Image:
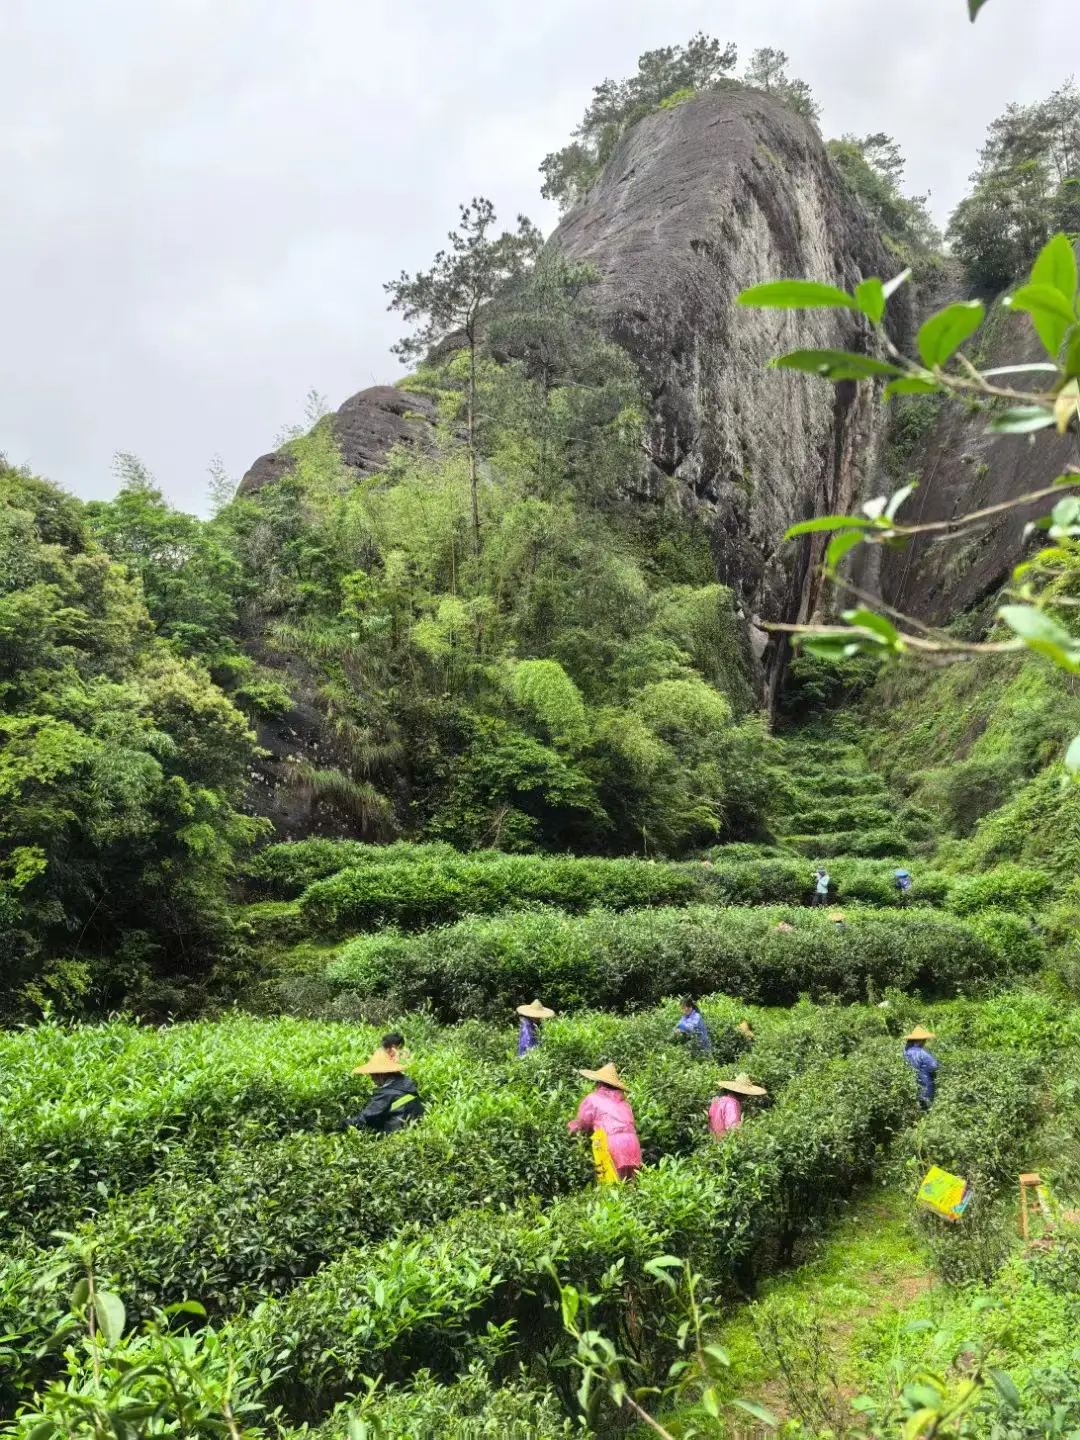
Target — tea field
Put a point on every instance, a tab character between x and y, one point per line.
192	1243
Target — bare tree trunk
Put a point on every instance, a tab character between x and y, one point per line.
473	487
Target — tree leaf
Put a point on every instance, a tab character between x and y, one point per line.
1072	352
826	522
910	385
974	6
891	286
80	1294
796	295
1021	420
1041	633
1056	266
897	498
836	364
942	335
1051	314
870	298
759	1412
1005	1387
111	1316
1042	365
1072	756
869	620
839	546
1067	405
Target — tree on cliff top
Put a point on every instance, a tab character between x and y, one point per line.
700	64
666	76
872	168
453	296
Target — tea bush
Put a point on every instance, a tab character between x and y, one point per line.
88	1111
283	872
786	880
1006	887
428	1300
414	894
480	966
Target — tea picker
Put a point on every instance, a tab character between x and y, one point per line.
922	1062
532	1016
605	1114
725	1112
396	1101
692	1028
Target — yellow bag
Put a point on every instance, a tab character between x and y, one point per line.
606	1174
944	1194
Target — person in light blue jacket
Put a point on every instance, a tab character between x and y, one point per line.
692	1027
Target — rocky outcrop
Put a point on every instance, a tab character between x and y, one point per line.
960	468
367	427
699	201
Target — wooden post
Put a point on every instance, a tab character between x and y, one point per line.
1027	1182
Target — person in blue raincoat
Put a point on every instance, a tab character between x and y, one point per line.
692	1026
922	1062
902	881
529	1032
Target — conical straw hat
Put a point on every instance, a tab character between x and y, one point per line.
919	1033
745	1027
836	915
381	1063
535	1011
608	1075
742	1085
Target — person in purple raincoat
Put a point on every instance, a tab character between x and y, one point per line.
532	1016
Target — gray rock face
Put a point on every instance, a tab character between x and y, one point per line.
699	201
367	426
961	468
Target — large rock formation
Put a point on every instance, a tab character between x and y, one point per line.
367	426
961	467
699	201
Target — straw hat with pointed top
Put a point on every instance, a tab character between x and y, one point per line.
919	1033
381	1063
742	1085
745	1027
535	1011
606	1075
836	915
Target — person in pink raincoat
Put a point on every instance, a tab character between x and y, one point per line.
607	1108
725	1112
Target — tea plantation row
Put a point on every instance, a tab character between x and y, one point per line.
483	966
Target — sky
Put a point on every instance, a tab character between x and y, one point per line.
201	199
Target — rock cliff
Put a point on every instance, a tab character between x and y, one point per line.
699	201
367	426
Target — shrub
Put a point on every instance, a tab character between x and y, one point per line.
284	871
415	894
869	844
482	966
90	1111
734	1210
1008	886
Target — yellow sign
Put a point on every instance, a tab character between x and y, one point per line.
944	1194
606	1174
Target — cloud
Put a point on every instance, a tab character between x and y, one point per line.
203	197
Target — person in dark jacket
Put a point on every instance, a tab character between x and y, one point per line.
396	1101
922	1062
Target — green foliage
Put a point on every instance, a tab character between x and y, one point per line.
700	64
1026	188
478	966
416	893
734	1210
120	768
872	169
1008	886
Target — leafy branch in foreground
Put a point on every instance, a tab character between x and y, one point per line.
1039	585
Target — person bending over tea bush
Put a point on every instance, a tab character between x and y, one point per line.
396	1101
692	1029
922	1062
606	1111
725	1112
532	1017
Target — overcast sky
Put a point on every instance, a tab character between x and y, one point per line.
201	199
